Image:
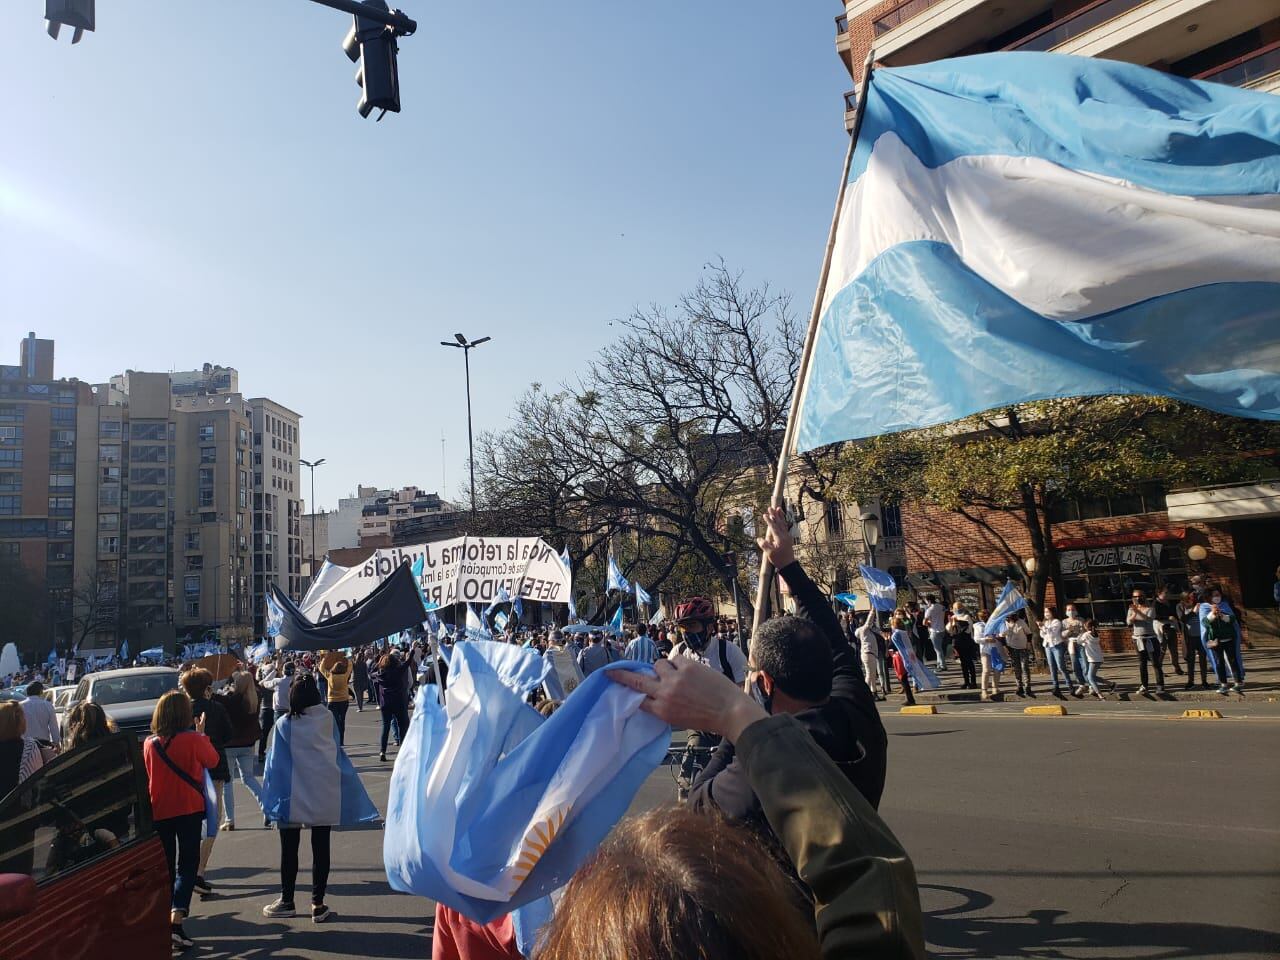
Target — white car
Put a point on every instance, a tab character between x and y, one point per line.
127	696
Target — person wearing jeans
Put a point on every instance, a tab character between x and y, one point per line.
1017	642
338	675
240	700
935	618
1141	619
1055	650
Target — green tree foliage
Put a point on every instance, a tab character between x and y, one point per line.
1024	461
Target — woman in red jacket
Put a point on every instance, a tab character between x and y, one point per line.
176	757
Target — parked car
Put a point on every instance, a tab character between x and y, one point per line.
61	697
128	696
81	869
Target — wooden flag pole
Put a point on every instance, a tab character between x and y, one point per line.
789	435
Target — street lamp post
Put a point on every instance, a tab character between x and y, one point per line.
311	465
465	345
870	522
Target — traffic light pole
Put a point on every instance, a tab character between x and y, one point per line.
395	19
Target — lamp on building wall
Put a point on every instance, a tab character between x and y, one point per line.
870	533
1197	553
1031	565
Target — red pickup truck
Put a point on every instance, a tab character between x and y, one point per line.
82	873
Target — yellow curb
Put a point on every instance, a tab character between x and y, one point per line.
926	710
1056	710
1201	715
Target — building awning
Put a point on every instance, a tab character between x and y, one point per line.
1225	503
934	579
1122	539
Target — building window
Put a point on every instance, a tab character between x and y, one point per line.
108	521
239	457
62	480
62	438
109	545
109	428
10	482
208	454
1100	580
141	430
109	475
11	506
109	496
208	518
10	434
62	460
242	436
244	499
12	412
834	515
206	476
64	415
10	457
149	476
109	453
891	520
62	506
192	609
206	432
191	585
146	498
195	563
1149	498
206	498
193	540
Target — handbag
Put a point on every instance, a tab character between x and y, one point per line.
207	791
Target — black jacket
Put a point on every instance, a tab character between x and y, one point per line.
217	727
847	727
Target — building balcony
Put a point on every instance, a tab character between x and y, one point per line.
1145	31
1259	70
842	38
916	31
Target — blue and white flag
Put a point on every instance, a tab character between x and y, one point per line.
882	589
517	609
922	676
419	566
491	806
500	620
615	580
1023	226
642	596
848	599
308	778
476	630
1010	601
53	656
565	559
274	618
502	597
573	610
124	650
659	616
259	652
615	625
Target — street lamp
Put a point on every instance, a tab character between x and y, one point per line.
870	532
311	465
465	346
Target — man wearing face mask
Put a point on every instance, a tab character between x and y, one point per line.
802	665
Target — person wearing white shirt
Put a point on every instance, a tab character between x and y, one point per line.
985	647
42	718
869	650
1091	647
935	617
1017	640
1055	650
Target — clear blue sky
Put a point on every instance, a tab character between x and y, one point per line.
192	183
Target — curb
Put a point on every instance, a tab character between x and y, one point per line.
919	711
1056	710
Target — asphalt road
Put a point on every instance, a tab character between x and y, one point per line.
1077	837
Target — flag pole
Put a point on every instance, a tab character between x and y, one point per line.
811	334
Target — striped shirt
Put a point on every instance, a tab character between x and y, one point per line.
642	649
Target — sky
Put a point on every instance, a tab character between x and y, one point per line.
192	183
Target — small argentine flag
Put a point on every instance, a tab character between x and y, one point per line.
492	806
1011	601
882	589
616	581
476	630
642	596
275	617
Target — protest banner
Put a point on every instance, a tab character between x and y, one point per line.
459	570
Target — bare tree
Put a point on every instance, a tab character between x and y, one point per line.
95	608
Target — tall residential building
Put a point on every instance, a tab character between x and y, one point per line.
38	444
166	485
277	506
1235	42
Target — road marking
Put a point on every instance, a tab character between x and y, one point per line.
1219	826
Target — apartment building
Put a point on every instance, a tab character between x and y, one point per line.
38	444
277	503
1236	42
162	495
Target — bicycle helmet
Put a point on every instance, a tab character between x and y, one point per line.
695	608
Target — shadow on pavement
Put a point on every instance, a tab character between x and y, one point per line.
1048	935
240	939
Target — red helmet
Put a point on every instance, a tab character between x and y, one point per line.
695	608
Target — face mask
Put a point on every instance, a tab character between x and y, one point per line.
759	696
1071	614
695	641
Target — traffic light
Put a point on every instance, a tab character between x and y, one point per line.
72	13
373	46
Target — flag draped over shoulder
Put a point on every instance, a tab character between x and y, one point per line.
1023	226
492	806
308	778
882	589
924	678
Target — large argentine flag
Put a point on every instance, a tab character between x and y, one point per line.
1021	226
491	806
882	589
308	779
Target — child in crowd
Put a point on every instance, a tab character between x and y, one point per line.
1092	647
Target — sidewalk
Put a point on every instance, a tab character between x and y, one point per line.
1262	681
